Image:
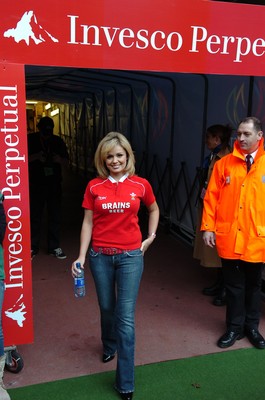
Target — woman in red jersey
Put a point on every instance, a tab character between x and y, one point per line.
111	231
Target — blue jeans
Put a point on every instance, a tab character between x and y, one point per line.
117	280
2	290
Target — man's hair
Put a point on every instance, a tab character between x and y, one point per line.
45	121
223	132
111	140
256	123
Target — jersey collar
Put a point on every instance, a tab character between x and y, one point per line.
122	179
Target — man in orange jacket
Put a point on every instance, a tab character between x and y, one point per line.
234	220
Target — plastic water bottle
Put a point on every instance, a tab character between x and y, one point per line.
79	282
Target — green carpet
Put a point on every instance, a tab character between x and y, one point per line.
230	375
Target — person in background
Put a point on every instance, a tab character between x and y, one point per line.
47	155
3	393
218	142
110	227
234	220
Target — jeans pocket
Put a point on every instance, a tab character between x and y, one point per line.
134	253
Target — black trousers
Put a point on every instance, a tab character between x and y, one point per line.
243	282
49	196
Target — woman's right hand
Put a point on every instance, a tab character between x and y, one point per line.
74	269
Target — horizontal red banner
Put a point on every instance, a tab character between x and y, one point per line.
196	36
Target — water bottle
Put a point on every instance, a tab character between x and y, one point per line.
79	282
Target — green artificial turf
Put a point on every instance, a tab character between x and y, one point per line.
230	375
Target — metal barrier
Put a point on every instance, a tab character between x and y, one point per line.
176	194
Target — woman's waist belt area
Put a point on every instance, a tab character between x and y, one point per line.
109	251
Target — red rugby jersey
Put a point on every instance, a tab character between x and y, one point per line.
115	206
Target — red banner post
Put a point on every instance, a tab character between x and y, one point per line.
17	308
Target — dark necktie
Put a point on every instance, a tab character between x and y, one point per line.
249	161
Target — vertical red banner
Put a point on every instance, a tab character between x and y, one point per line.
17	308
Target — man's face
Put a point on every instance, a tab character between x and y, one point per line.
212	141
47	130
248	138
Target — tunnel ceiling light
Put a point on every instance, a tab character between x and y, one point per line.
31	102
48	106
54	112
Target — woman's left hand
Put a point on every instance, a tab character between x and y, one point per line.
146	243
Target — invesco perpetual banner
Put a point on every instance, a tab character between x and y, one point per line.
17	308
198	36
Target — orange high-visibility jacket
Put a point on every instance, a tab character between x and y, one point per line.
234	206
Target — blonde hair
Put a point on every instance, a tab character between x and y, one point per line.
106	144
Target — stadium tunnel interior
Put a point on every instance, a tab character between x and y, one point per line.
164	115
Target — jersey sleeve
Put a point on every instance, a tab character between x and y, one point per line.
149	197
88	200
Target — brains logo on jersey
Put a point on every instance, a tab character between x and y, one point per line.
28	29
